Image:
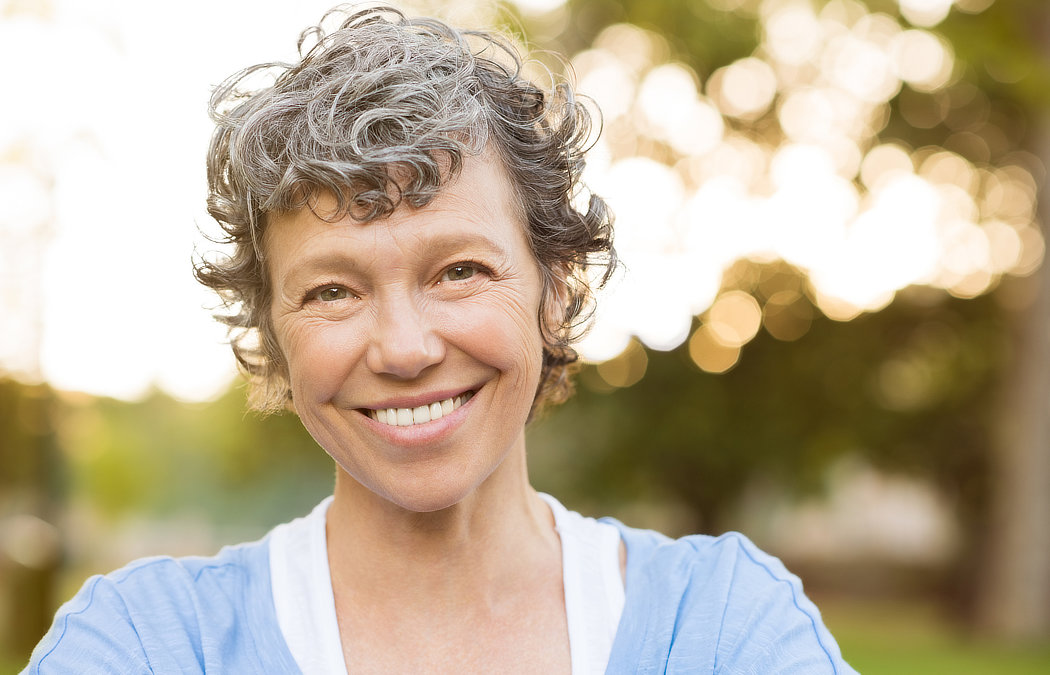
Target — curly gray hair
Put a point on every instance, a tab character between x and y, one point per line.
385	93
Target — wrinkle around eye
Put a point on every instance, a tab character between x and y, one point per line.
330	301
330	294
453	271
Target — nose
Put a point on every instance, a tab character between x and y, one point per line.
404	343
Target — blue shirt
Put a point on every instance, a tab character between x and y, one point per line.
693	605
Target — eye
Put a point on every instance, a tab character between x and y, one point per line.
458	273
330	294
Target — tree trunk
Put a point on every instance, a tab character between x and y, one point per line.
1014	595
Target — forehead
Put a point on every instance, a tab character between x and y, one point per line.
478	204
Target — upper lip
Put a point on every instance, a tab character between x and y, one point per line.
418	400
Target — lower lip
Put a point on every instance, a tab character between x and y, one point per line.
422	434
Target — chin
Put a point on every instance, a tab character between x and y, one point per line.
423	494
428	501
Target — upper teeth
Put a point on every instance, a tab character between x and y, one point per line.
406	417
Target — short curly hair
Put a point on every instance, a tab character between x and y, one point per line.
382	93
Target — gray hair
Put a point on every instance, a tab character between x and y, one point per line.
382	111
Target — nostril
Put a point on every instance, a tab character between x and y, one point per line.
404	353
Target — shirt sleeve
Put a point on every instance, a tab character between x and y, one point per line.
718	605
93	632
171	615
157	615
769	625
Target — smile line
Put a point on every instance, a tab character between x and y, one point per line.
406	417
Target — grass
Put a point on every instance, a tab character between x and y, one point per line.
905	638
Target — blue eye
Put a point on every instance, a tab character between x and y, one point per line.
459	273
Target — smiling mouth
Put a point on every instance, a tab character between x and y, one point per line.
406	417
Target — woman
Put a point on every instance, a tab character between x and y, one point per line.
408	271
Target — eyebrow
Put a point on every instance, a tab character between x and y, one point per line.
445	244
436	246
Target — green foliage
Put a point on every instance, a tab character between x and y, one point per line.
29	469
914	387
910	388
162	456
704	37
1006	50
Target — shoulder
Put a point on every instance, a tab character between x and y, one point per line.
718	603
730	558
165	614
164	581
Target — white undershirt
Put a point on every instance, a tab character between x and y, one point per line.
302	593
594	595
305	605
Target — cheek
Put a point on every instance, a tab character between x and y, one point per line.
319	356
503	334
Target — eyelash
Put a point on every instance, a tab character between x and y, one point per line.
473	264
313	293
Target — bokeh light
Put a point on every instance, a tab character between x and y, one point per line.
925	12
744	88
696	184
777	155
921	59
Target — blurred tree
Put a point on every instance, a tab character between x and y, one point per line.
160	456
955	390
787	411
1008	49
31	479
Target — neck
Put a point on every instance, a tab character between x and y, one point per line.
476	548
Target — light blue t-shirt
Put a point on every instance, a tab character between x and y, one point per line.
693	605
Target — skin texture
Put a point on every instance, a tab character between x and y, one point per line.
443	558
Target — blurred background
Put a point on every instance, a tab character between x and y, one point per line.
832	331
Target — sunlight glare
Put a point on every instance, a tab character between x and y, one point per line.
1034	248
810	208
646	196
605	79
745	88
883	163
627	368
734	319
860	67
669	101
539	6
723	220
696	129
710	355
925	13
922	59
817	114
25	198
736	157
793	34
966	248
951	169
695	185
636	48
1004	245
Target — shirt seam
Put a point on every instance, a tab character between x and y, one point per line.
739	540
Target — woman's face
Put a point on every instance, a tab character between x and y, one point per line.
429	314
